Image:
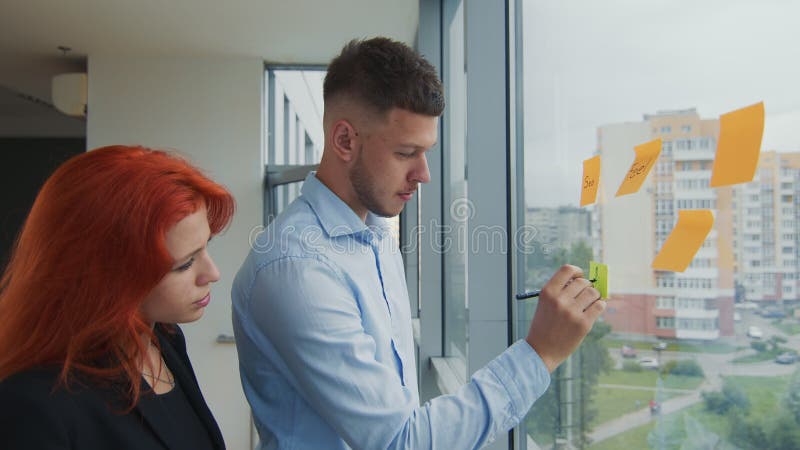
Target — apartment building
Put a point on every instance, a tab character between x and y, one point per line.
695	304
766	230
561	226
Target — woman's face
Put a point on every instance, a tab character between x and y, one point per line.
185	291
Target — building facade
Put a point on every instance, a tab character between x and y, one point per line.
694	304
766	230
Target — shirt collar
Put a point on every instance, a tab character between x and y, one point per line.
335	216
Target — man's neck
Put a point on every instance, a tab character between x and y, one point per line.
342	188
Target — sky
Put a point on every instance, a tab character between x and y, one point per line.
589	63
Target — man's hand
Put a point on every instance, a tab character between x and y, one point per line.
568	306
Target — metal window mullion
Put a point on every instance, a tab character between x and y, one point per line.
429	43
489	155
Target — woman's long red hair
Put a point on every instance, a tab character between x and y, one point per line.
91	249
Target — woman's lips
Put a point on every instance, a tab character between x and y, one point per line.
203	302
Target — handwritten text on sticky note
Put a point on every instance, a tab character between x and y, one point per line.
646	156
590	180
599	273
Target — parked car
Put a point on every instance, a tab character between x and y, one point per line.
773	314
786	358
628	352
660	346
755	332
649	363
737	317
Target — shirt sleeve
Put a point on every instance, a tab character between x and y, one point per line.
306	309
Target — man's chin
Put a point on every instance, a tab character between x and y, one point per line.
388	214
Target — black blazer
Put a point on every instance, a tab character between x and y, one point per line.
33	416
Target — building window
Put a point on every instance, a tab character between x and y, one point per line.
666	148
665	302
665	322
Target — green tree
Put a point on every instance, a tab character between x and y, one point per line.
547	418
593	359
746	431
775	343
578	255
686	367
731	398
792	399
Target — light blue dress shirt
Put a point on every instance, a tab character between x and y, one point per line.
323	329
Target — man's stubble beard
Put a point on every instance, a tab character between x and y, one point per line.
365	187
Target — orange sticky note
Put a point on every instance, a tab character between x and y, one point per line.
590	180
739	145
646	156
685	240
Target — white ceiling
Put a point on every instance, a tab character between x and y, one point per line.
287	31
277	31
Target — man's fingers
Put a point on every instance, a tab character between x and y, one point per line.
595	309
577	287
562	277
586	297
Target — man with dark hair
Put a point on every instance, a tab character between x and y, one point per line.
320	307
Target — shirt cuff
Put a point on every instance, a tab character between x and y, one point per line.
523	373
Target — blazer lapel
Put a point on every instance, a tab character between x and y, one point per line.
156	416
184	375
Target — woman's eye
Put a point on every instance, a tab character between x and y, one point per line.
185	267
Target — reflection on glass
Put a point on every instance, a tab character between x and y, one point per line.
457	208
703	358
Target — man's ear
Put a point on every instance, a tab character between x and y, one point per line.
344	138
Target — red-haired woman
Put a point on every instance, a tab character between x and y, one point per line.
112	255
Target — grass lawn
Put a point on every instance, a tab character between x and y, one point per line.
669	431
612	402
760	356
633	439
789	328
648	378
764	393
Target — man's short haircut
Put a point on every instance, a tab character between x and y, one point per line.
383	74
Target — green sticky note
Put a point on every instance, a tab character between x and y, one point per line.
599	273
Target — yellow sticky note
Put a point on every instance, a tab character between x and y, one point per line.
646	156
590	180
739	145
599	273
685	240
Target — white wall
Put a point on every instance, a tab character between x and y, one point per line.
209	109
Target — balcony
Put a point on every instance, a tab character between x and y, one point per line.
695	154
696	313
705	335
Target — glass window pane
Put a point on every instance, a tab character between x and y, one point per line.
456	200
600	78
